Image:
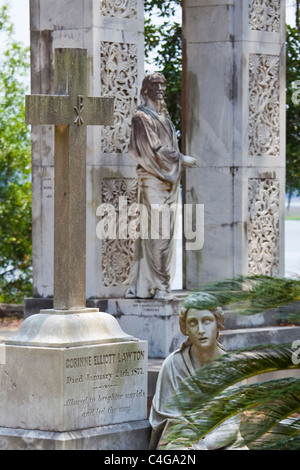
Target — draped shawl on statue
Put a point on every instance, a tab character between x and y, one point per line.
176	368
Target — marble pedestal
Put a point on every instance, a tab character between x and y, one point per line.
156	321
73	380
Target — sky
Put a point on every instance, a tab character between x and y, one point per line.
19	13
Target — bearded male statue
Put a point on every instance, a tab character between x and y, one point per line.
154	147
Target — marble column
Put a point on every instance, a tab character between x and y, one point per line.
112	33
234	124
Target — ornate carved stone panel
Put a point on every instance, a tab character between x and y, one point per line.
119	8
119	79
117	255
263	228
264	15
264	106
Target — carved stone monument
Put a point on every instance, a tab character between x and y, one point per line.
233	59
234	123
73	373
112	33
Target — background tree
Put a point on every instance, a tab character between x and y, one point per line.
15	167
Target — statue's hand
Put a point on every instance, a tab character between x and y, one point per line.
189	161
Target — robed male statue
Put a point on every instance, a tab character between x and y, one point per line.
154	147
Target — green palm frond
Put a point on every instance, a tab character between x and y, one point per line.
284	436
264	433
217	392
248	295
231	369
264	399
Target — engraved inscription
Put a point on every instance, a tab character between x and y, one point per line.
48	187
97	385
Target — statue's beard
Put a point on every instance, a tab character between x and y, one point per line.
162	107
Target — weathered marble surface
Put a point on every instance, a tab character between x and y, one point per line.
234	123
154	147
67	376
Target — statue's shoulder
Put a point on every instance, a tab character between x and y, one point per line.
144	114
172	360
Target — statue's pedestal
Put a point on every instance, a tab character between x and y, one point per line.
73	380
153	320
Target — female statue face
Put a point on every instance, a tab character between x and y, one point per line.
201	327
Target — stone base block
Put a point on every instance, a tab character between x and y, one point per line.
249	337
156	321
127	436
34	305
65	372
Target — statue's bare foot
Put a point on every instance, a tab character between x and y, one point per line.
163	295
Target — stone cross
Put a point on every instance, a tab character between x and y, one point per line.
71	111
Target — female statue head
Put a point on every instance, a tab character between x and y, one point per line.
202	319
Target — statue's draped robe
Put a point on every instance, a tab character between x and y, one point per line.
176	368
153	146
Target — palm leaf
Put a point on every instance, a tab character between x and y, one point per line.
228	370
248	295
282	436
264	398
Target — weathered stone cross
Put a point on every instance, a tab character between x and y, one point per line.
71	111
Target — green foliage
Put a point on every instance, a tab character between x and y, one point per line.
293	111
165	42
249	295
268	411
15	169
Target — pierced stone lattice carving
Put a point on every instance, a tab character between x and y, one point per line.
119	8
264	15
119	80
263	230
264	114
117	255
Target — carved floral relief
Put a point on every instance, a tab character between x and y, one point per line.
264	109
119	8
264	15
263	228
119	80
117	255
